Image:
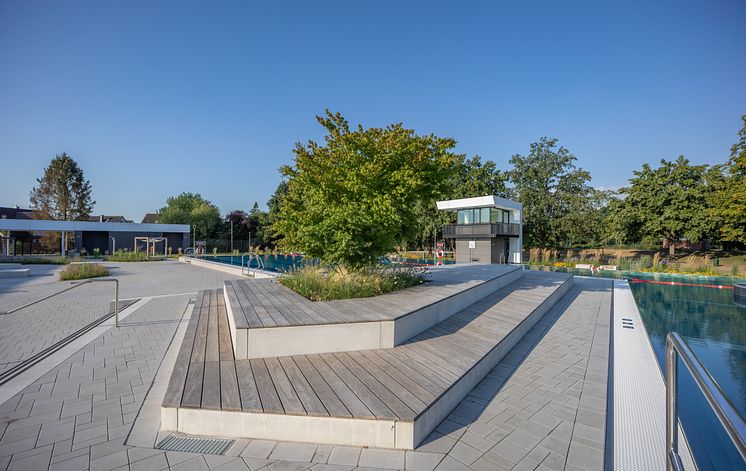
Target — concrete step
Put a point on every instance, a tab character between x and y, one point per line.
15	272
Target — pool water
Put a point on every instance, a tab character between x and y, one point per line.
714	327
278	262
282	262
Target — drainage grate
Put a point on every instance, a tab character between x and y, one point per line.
210	446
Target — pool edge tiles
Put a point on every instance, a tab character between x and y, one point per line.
639	404
226	268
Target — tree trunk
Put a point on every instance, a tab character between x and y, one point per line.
671	248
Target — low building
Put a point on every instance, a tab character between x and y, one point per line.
22	233
488	229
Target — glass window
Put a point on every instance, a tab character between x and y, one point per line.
495	215
485	215
461	216
506	216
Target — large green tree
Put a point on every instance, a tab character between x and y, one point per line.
192	209
63	193
355	198
556	196
671	202
266	235
729	195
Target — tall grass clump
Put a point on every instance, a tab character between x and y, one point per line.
82	271
697	264
735	269
546	257
534	256
125	256
327	284
656	261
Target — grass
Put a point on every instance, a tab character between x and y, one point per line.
319	284
82	271
35	260
122	256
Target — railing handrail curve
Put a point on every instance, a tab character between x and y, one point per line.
78	284
727	414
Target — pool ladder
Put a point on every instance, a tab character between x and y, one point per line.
259	263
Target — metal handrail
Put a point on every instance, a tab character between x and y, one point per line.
78	284
729	417
259	262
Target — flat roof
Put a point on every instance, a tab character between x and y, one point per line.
84	226
488	201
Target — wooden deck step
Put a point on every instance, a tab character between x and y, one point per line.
267	320
388	398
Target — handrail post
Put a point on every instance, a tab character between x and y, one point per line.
672	431
116	303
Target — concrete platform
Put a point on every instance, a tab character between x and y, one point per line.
15	272
389	398
266	319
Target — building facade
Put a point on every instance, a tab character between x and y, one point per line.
488	229
21	235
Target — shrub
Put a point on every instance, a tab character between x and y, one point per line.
318	284
735	269
81	271
122	256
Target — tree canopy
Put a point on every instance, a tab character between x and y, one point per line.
355	198
669	202
729	195
62	193
192	209
556	196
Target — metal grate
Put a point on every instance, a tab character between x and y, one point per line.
210	446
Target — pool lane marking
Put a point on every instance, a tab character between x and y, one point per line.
679	283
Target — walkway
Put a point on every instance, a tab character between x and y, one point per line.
542	407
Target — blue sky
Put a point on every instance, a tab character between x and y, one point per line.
156	98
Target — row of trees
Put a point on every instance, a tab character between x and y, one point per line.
247	228
678	200
366	192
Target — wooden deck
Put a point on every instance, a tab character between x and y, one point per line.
400	384
264	303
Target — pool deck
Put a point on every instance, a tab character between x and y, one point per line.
543	406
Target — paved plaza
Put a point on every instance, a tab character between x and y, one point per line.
543	407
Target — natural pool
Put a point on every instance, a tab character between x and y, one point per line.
282	262
714	327
272	262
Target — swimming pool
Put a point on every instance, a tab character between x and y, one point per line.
282	262
276	262
714	327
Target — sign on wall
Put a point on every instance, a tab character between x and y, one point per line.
472	244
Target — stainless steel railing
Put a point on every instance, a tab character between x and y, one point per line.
726	413
78	284
259	262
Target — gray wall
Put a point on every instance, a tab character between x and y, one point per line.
482	252
486	251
